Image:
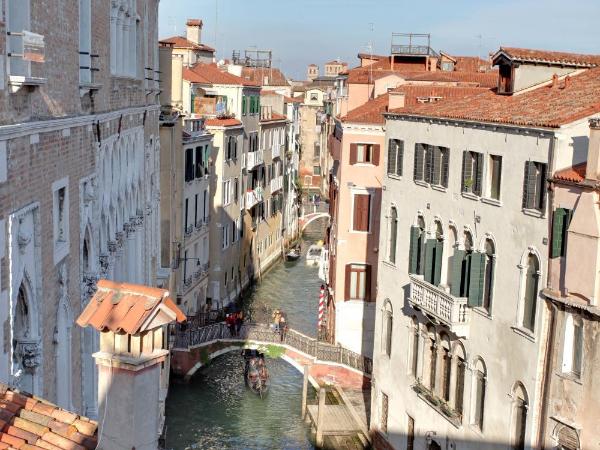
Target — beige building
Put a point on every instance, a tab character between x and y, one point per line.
334	68
465	218
79	181
189	48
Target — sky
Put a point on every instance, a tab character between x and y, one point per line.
302	32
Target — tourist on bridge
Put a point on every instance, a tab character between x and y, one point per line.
239	320
230	322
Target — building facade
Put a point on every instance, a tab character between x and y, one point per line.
79	184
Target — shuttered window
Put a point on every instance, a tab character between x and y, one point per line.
361	213
534	186
244	105
416	250
358	282
460	385
199	170
560	224
531	292
384	413
476	279
433	261
364	154
431	164
479	398
495	176
393	235
472	171
395	157
446	367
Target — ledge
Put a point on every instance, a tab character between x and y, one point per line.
424	394
16	82
533	213
438	187
524	332
421	183
491	201
470	196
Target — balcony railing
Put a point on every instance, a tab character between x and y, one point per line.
254	159
276	184
434	301
189	230
187	282
276	151
253	197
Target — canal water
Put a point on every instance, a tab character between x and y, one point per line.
216	411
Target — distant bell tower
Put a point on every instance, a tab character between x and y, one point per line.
312	72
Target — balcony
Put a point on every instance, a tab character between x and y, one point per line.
276	151
254	159
276	184
253	197
440	305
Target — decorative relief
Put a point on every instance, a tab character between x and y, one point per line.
104	261
89	285
29	353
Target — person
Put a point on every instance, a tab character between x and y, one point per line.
276	318
239	320
282	327
230	322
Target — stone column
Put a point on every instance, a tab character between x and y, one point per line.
453	372
420	357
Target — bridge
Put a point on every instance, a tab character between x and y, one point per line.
307	219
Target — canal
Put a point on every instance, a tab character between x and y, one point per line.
216	411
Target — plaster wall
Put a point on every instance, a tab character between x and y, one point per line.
528	75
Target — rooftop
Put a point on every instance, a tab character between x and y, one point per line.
194	22
229	122
548	57
548	106
182	42
274	117
574	174
275	77
212	74
32	423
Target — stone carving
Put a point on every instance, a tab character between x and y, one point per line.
595	123
112	246
104	262
89	194
29	353
127	229
120	235
23	237
89	285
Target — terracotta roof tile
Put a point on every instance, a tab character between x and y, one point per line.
222	123
483	79
256	75
371	112
531	55
575	174
546	106
211	74
194	22
274	117
124	307
182	42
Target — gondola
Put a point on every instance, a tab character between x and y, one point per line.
292	255
256	374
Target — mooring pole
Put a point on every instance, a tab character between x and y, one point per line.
304	391
320	417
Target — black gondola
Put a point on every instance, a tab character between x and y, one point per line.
256	374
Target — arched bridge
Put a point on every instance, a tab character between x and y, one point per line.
307	219
194	347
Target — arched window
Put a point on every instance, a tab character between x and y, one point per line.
460	369
415	347
431	357
393	234
446	368
520	405
532	276
479	386
386	337
573	346
567	438
433	256
451	247
488	285
417	247
466	265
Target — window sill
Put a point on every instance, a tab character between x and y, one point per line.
470	196
391	265
438	187
533	213
364	164
85	88
527	334
394	177
437	404
421	183
359	232
483	312
569	376
491	201
16	82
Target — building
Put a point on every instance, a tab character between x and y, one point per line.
569	397
335	67
460	324
79	181
312	72
189	48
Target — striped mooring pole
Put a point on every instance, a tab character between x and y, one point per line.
321	306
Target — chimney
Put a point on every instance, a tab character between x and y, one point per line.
593	157
133	362
193	30
397	100
555	80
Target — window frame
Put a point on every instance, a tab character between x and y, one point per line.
358	268
353	227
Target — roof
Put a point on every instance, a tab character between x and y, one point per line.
257	75
368	56
312	65
274	117
336	62
287	99
124	307
370	112
32	423
194	22
471	64
222	122
574	174
547	106
182	42
549	57
211	74
483	79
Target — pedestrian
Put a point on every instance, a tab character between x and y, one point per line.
239	320
230	321
282	328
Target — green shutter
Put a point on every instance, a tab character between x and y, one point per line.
429	259
456	270
437	265
476	278
415	232
243	105
418	167
193	101
558	227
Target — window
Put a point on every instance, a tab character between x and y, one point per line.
393	235
495	175
85	42
534	186
561	220
244	100
384	413
414	362
472	169
446	368
195	210
433	257
314	97
205	205
488	284
567	438
532	276
364	154
417	240
18	13
60	218
361	212
573	346
460	369
185	219
358	282
317	170
479	388
185	260
431	358
395	157
236	190
225	236
386	334
317	150
448	66
123	38
431	164
199	163
189	164
520	405
505	85
226	192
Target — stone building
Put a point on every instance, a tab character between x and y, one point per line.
79	180
460	324
189	48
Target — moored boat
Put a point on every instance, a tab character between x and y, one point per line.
256	374
313	255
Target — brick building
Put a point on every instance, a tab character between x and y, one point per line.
78	179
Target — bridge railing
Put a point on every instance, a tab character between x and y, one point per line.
322	351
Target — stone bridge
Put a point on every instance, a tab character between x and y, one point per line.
193	348
307	219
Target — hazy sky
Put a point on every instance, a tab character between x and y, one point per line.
314	31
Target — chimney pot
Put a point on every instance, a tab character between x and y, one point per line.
567	82
194	30
554	80
593	157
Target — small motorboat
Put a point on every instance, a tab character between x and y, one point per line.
256	374
313	255
292	255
